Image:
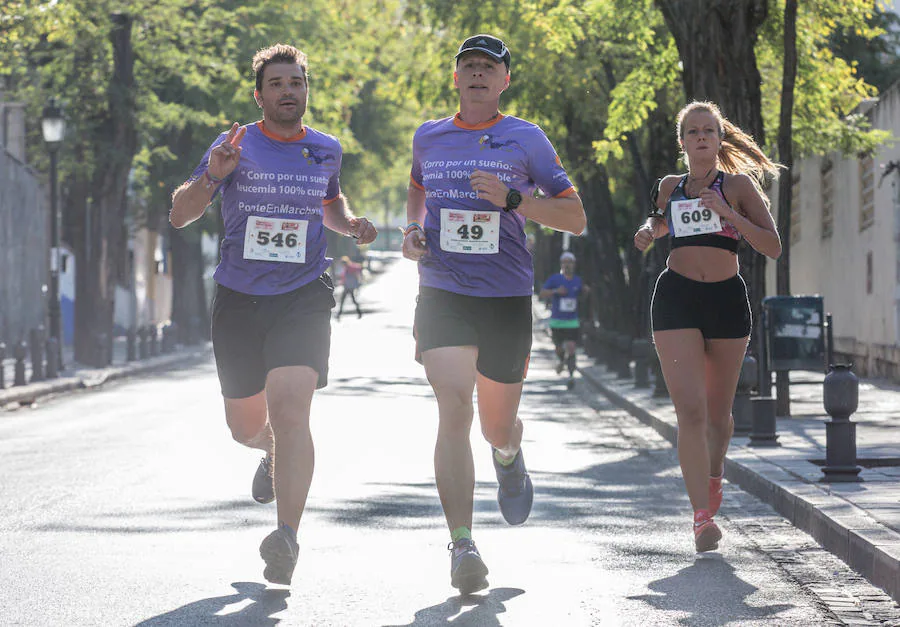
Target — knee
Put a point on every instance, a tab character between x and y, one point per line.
245	430
691	417
290	414
456	412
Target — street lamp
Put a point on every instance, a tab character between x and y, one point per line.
53	126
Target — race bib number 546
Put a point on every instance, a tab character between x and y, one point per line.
275	239
470	232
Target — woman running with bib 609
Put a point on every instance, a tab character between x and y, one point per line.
473	177
700	312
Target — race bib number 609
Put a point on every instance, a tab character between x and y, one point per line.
470	232
690	218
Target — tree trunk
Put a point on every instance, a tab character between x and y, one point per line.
190	313
115	143
716	41
786	155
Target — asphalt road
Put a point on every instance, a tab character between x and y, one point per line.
130	506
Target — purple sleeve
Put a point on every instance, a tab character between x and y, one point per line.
415	173
545	168
334	183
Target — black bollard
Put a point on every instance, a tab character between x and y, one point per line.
154	340
2	366
660	390
52	358
36	348
19	353
763	430
623	363
143	335
742	411
101	349
641	348
175	333
840	394
131	345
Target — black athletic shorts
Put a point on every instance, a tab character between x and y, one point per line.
500	327
564	335
253	334
719	309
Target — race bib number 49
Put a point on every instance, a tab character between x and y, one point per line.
689	218
275	239
470	232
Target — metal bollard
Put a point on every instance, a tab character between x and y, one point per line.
2	366
131	345
623	362
641	348
142	344
840	395
154	340
19	353
763	431
52	358
36	348
660	390
742	411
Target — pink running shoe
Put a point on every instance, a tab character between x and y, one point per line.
706	533
715	495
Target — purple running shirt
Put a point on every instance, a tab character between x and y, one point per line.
474	247
272	205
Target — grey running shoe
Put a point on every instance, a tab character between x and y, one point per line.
467	571
264	480
279	551
515	493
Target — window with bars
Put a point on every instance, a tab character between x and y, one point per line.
866	192
827	198
795	208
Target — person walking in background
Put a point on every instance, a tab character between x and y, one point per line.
700	312
271	315
564	289
351	277
472	183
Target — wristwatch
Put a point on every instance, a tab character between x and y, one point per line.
513	199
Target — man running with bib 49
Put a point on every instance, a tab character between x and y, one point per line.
472	184
271	316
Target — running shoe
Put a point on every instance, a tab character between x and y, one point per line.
706	533
467	571
279	551
715	495
264	480
515	493
570	384
559	366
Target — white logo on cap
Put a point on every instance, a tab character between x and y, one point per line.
482	42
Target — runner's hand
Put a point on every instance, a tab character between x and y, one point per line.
489	187
643	237
414	245
363	230
224	158
561	290
712	200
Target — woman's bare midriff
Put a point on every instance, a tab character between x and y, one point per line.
703	263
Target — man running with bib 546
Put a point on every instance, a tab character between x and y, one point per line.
472	188
271	317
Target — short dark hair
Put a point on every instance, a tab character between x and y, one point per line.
279	53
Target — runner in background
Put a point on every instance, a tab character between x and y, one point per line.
565	290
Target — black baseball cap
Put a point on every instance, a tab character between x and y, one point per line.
487	44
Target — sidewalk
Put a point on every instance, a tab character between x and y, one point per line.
75	376
858	522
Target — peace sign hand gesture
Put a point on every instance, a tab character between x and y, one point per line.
224	158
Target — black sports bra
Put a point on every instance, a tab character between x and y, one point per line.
692	219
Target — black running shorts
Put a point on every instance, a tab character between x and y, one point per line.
719	310
564	335
499	327
253	334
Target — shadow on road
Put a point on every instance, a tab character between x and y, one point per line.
254	604
473	610
703	590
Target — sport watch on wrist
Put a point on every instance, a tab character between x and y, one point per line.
513	199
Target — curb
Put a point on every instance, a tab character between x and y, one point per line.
92	378
867	546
